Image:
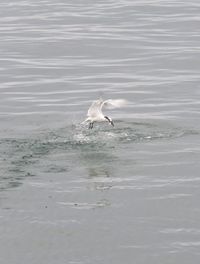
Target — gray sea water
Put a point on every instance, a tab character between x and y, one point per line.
128	194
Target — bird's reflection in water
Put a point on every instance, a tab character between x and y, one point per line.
98	178
99	172
100	167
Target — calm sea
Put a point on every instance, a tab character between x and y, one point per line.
128	194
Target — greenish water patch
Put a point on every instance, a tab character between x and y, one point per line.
59	150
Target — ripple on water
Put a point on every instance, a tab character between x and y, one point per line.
126	132
101	134
20	156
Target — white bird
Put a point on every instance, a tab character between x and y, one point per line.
95	111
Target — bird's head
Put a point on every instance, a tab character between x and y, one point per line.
109	120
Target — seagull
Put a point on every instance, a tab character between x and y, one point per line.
95	113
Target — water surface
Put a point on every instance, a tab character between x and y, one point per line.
108	195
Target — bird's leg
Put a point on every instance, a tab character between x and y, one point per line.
91	125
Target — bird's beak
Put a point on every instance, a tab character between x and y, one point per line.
112	123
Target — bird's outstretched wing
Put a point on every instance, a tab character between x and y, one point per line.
114	103
95	108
